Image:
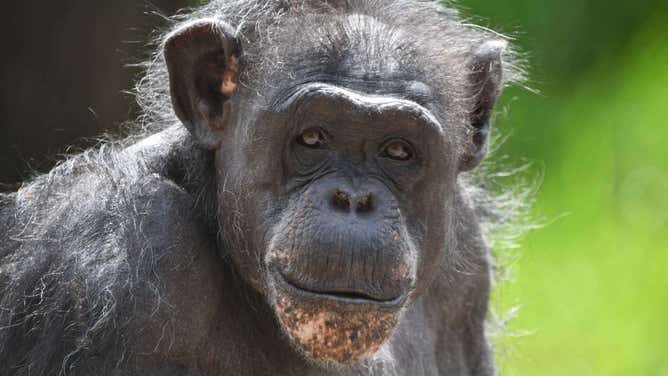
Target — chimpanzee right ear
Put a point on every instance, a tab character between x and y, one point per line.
485	83
203	64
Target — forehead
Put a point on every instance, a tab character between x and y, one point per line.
368	57
354	48
373	45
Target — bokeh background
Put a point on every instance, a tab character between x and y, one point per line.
589	289
592	285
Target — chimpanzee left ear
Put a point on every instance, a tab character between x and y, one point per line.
485	83
203	63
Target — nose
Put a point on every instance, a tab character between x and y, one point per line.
342	201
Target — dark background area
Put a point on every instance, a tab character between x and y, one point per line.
63	72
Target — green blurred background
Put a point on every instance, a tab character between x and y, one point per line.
591	285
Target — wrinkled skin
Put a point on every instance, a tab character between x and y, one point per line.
316	229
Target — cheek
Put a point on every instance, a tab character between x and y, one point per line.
332	334
242	212
433	232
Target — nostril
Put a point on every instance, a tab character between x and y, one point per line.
341	200
365	204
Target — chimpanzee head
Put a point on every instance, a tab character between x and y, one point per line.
339	134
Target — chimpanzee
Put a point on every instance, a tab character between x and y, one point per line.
290	203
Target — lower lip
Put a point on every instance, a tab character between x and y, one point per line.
283	283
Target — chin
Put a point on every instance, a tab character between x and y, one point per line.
334	328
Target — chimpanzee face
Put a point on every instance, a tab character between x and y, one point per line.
347	216
353	231
335	194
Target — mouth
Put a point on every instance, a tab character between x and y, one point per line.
339	295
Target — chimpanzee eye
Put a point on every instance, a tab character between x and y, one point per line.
398	150
311	138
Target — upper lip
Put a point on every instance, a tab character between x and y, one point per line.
348	296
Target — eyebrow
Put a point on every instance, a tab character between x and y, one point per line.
378	102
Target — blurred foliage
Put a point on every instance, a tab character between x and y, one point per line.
591	285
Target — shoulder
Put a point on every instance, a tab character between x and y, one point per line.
113	183
107	204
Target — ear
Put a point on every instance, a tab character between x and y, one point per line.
203	64
485	83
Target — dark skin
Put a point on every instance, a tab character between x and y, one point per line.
340	241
